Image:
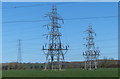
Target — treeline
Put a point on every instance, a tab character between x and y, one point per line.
105	63
22	66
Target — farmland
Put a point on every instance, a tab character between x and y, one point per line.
76	72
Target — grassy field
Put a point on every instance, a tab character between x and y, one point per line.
104	72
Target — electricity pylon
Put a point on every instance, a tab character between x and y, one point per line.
54	50
19	58
91	54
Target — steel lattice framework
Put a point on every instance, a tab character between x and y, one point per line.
54	50
91	54
19	59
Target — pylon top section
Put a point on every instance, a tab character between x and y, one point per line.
54	17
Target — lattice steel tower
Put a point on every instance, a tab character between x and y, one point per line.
54	50
19	58
91	54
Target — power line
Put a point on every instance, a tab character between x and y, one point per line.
37	38
35	5
64	19
24	21
92	17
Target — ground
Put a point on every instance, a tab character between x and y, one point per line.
103	72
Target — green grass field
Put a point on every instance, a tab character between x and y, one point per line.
104	72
